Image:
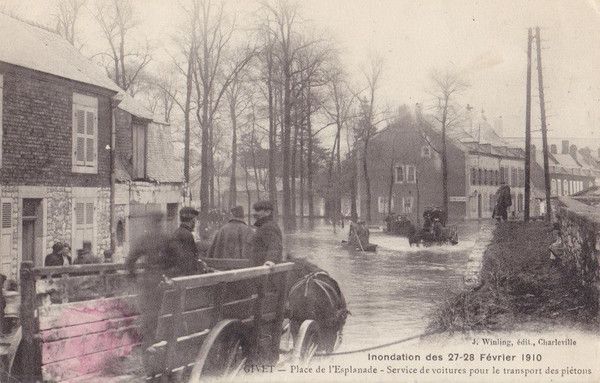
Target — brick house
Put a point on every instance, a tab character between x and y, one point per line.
403	159
55	118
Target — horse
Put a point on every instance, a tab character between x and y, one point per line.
316	295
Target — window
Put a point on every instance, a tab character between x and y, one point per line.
83	223
559	188
501	174
565	190
1	102
473	176
120	233
411	174
496	177
492	202
85	134
485	177
480	178
139	150
426	151
6	236
407	204
520	202
382	205
399	174
553	188
572	185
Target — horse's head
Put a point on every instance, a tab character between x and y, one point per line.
303	267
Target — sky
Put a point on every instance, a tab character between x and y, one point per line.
486	40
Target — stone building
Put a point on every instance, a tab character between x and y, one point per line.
55	119
148	176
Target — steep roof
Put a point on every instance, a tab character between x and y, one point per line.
32	47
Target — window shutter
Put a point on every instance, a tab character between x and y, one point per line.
6	237
6	215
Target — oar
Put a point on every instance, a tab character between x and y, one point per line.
359	242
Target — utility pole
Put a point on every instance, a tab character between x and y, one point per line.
544	129
528	129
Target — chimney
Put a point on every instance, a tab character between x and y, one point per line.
553	149
565	147
573	151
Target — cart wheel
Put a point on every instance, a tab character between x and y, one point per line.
307	341
224	352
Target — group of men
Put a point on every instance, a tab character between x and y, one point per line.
178	254
61	255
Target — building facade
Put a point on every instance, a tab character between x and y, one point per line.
55	122
405	164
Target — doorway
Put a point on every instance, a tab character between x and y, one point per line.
32	230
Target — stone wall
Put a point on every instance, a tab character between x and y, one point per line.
580	232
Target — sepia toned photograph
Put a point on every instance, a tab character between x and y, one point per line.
299	191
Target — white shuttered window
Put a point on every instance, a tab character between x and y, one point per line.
84	223
85	134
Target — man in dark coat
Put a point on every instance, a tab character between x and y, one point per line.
159	257
233	239
268	242
188	258
59	256
503	202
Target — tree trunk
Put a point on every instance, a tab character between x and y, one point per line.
232	179
272	138
293	172
309	162
248	195
285	148
301	167
444	160
391	188
186	117
367	179
353	187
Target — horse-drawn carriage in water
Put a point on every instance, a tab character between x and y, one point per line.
222	323
433	232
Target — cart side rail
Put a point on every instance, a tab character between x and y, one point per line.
193	305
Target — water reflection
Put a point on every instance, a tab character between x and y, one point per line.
391	292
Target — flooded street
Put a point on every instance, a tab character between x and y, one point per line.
389	293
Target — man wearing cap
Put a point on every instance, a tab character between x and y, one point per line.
59	256
267	244
188	259
233	239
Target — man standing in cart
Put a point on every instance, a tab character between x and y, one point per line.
267	250
233	240
268	243
188	261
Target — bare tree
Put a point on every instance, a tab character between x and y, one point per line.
212	80
367	125
67	14
446	85
116	20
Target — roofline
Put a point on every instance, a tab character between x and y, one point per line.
111	91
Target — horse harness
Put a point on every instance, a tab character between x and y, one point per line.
333	295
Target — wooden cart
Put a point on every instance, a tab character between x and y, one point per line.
217	324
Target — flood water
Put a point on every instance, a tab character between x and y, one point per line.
392	292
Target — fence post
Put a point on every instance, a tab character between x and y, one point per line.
31	361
